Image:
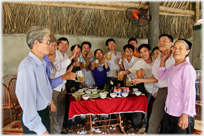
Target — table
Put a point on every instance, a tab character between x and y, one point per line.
99	106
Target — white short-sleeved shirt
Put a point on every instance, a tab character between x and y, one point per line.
113	64
128	65
148	72
60	65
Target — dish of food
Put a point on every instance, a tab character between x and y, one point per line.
94	95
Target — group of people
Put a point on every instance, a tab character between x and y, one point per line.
47	75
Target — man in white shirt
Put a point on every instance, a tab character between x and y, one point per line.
165	43
113	63
86	57
60	65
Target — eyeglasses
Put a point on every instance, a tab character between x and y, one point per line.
48	42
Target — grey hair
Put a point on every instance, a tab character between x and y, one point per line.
187	47
36	33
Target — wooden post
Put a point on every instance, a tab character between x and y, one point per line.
154	33
197	10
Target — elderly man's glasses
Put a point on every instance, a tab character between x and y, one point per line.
48	42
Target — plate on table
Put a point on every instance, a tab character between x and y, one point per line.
94	95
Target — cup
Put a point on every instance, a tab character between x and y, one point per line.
73	89
96	62
83	64
80	76
108	56
139	74
117	71
77	96
120	76
128	82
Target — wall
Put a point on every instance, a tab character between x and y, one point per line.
15	49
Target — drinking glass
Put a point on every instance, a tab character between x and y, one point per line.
80	76
77	96
128	82
139	74
73	89
96	62
108	56
120	76
83	64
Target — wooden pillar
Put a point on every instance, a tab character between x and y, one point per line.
154	33
197	10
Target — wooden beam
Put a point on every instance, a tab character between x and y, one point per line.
67	4
170	14
186	5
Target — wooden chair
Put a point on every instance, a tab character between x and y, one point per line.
199	102
198	127
14	104
5	79
14	127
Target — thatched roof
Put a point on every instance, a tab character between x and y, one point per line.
95	18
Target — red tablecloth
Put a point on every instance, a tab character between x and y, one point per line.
131	103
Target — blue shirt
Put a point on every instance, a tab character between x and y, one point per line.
53	82
100	75
33	91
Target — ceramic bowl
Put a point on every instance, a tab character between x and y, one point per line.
113	95
85	97
137	93
124	94
95	92
88	91
135	89
103	95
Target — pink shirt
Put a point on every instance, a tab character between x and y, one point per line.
181	95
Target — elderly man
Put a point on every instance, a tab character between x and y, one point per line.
33	88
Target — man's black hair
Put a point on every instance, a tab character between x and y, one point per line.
72	48
62	39
169	36
129	46
109	40
132	39
144	45
85	42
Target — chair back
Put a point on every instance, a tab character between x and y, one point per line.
14	104
5	79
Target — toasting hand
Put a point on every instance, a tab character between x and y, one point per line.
69	76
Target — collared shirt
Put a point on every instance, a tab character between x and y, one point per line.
148	71
50	70
33	91
60	65
113	65
181	89
168	63
128	65
89	79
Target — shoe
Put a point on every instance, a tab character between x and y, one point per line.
62	132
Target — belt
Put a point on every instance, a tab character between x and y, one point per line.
165	88
48	107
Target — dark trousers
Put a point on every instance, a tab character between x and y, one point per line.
171	125
45	118
68	122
